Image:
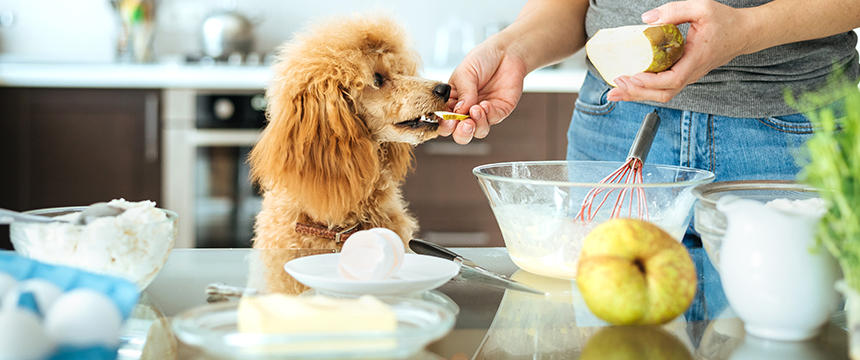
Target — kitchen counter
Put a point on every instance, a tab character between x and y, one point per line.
227	77
492	323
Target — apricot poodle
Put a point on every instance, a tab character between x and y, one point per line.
345	109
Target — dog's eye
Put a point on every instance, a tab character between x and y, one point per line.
378	80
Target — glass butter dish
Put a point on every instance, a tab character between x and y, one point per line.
214	329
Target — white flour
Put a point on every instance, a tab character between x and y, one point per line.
813	207
542	241
133	245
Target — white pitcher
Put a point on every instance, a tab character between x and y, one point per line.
775	277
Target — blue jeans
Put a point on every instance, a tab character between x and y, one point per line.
731	148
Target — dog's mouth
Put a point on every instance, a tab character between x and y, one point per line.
428	120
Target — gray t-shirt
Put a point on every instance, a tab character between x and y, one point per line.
750	85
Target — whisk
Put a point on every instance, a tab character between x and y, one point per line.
629	173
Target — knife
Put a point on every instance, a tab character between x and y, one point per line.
427	248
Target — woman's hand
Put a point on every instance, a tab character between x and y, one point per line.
718	33
487	85
489	82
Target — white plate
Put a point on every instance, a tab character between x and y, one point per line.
418	273
214	329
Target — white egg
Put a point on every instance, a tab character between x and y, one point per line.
44	291
373	254
7	282
84	317
22	336
397	248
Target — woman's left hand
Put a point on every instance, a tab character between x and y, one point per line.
718	33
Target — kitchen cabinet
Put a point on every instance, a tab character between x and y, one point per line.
445	196
65	147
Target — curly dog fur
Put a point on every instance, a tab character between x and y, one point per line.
344	110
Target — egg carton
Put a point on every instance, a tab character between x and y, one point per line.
123	293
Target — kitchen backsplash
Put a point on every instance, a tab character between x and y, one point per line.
85	30
57	30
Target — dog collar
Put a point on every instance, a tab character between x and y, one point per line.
337	234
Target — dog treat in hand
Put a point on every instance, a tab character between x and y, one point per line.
447	115
373	254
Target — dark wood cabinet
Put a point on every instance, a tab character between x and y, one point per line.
63	147
445	196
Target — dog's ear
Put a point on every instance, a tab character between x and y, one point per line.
315	147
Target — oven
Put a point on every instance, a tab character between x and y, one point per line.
207	137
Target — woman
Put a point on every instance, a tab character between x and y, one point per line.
721	104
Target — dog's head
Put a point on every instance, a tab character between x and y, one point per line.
345	106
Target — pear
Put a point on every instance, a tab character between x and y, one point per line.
634	342
632	49
632	272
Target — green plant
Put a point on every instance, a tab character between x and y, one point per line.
833	166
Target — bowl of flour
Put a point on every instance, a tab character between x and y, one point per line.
133	245
786	196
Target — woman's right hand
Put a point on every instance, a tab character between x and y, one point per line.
486	85
489	82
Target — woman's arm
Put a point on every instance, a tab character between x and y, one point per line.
785	21
489	82
546	31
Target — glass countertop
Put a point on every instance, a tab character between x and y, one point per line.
493	323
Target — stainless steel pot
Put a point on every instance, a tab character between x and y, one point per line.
226	32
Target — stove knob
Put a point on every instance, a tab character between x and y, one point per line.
223	109
258	102
253	59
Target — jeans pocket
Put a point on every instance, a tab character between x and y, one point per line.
592	97
792	124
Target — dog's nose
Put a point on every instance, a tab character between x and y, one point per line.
443	91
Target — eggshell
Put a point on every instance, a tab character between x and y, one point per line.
22	337
396	244
84	317
44	291
373	254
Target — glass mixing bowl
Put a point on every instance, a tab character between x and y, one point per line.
536	204
136	252
710	223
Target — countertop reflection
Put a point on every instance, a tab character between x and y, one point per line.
492	323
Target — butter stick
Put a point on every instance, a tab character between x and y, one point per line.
317	315
279	313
